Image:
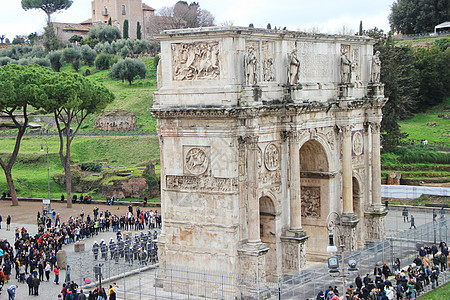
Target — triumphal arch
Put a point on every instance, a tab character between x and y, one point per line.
263	133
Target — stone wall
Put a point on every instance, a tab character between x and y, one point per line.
116	119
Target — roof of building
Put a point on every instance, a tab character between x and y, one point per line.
146	7
87	22
73	27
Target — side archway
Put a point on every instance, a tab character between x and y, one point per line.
268	231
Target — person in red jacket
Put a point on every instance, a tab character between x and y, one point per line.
56	274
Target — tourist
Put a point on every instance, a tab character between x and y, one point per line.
111	293
57	268
405	215
413	223
12	291
36	283
8	223
442	212
1	223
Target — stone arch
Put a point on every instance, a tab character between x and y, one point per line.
358	208
315	183
267	214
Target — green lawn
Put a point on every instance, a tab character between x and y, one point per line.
439	294
417	127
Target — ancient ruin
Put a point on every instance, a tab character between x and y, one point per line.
263	133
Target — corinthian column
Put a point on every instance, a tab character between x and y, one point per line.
347	189
253	201
376	165
294	188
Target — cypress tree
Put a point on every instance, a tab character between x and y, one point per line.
138	31
125	29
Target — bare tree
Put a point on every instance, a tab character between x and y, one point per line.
183	15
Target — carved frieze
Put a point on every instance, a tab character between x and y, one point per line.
272	157
310	201
201	184
196	160
270	177
195	61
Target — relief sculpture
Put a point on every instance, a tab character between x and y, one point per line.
271	157
201	183
196	161
195	61
310	201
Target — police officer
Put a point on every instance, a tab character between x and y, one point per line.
95	248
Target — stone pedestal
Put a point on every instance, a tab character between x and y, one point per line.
294	250
61	259
79	247
345	91
252	260
375	223
349	223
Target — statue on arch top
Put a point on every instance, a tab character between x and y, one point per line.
250	68
346	67
294	67
376	67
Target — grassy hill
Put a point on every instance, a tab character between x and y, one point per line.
121	152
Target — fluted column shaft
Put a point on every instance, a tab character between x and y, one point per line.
347	183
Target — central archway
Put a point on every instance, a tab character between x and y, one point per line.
315	182
268	234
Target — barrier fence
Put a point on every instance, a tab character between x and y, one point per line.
137	281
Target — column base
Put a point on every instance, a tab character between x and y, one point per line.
349	224
252	261
294	250
375	227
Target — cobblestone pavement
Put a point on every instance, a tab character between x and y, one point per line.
24	215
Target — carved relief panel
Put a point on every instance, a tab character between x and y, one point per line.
196	160
268	61
271	157
195	61
356	66
310	201
357	143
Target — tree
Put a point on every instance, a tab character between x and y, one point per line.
20	86
138	31
2	38
48	6
73	56
104	33
125	29
109	21
360	28
102	61
75	38
51	41
55	60
184	15
7	41
418	16
128	69
20	40
401	80
71	98
32	37
88	55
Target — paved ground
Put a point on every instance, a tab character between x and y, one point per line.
24	215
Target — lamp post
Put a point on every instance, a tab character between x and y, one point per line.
334	224
48	173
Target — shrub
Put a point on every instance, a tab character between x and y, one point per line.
45	62
128	69
73	56
55	60
88	54
91	167
104	33
102	62
5	61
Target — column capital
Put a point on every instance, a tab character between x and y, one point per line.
375	127
347	129
251	141
291	135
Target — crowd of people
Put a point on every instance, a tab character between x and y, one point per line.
406	283
33	257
